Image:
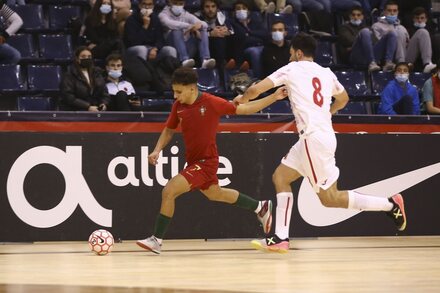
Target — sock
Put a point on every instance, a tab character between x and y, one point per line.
161	226
364	202
283	214
247	202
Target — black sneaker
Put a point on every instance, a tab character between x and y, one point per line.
397	213
271	244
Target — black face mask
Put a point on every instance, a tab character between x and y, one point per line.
86	63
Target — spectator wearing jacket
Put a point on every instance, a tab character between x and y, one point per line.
143	34
400	96
276	54
431	93
83	86
8	54
188	34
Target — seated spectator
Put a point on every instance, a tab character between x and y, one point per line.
186	33
101	30
219	30
143	34
400	96
120	90
8	54
276	54
356	44
83	87
249	33
431	93
389	26
420	41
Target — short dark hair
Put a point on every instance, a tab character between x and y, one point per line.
357	8
79	49
304	42
391	2
185	76
242	3
419	10
113	57
203	2
277	22
402	64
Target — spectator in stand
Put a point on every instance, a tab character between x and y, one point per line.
356	44
101	30
219	30
186	33
400	96
420	41
431	93
83	86
143	34
390	24
276	54
249	33
120	90
8	54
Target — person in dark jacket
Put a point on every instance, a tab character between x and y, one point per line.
83	86
143	34
276	54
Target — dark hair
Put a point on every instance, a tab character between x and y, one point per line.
94	17
216	2
304	42
113	57
391	2
402	64
185	76
242	3
79	49
357	8
419	10
277	22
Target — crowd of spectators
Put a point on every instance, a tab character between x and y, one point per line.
120	38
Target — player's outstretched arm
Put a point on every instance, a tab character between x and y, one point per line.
164	139
254	91
255	106
340	101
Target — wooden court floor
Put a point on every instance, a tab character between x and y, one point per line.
353	264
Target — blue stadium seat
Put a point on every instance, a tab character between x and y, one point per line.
35	104
379	80
12	78
60	16
290	20
282	106
324	54
418	79
32	15
354	82
56	47
157	105
355	108
209	80
44	77
24	43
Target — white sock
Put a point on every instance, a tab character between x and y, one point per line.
364	202
258	209
283	214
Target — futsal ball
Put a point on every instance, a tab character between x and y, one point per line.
101	242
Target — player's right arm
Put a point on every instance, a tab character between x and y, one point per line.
254	91
164	139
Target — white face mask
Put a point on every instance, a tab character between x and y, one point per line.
241	14
146	11
356	22
277	36
105	8
419	24
177	9
402	77
115	73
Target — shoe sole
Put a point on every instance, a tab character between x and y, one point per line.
257	245
140	244
398	199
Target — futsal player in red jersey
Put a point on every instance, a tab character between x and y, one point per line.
199	114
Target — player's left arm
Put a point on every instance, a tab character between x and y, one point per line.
255	106
341	100
255	90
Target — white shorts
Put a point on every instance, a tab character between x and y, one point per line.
314	158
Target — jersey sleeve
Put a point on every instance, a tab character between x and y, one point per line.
173	120
222	106
280	76
337	86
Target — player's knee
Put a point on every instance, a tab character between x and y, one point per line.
278	179
168	194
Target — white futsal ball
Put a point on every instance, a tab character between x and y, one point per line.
101	242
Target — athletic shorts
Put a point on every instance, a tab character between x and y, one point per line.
201	174
313	156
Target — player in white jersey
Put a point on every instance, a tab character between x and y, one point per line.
311	88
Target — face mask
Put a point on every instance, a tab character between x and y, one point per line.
241	14
277	36
86	63
419	24
105	8
115	73
402	77
177	10
391	18
356	22
146	11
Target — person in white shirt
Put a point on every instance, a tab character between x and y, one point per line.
311	88
121	91
8	54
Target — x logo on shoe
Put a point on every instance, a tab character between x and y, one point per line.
270	241
397	214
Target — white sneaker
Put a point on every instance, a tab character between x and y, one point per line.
150	244
389	66
373	67
208	63
270	8
429	67
287	10
188	63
